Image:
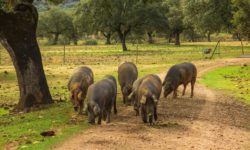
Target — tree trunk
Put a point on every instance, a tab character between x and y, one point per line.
193	37
248	36
238	36
170	38
124	46
122	37
108	38
55	41
209	37
18	36
150	38
75	39
177	39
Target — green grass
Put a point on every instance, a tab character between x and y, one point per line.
147	53
234	80
3	111
24	130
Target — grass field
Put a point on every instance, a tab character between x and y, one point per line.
233	80
24	130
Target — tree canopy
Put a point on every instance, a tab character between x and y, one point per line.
241	17
54	23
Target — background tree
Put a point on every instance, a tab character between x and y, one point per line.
91	19
175	17
155	18
18	36
241	17
54	23
120	16
209	16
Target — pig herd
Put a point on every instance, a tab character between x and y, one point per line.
143	93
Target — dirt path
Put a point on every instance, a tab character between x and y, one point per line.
210	120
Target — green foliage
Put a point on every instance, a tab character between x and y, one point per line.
209	16
175	18
54	23
233	79
241	16
91	42
120	16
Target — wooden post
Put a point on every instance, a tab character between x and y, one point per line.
242	47
215	49
219	50
137	52
64	48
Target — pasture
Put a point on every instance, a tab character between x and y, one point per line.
22	131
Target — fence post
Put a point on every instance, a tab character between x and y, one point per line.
137	52
215	49
242	47
64	47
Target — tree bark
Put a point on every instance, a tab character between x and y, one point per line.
170	38
124	46
18	36
122	36
209	37
75	39
238	36
56	37
150	38
108	38
177	39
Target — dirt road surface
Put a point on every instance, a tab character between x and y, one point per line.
210	120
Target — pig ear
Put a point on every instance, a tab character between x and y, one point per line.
96	109
143	100
155	99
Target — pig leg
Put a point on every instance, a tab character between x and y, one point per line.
123	96
104	115
108	116
81	108
192	88
115	109
155	113
136	108
184	89
144	115
175	94
100	118
124	99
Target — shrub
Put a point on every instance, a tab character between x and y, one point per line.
91	42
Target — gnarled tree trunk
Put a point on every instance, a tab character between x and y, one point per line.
108	38
150	38
123	35
177	39
18	36
56	37
209	37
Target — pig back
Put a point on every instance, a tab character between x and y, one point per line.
127	73
82	76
